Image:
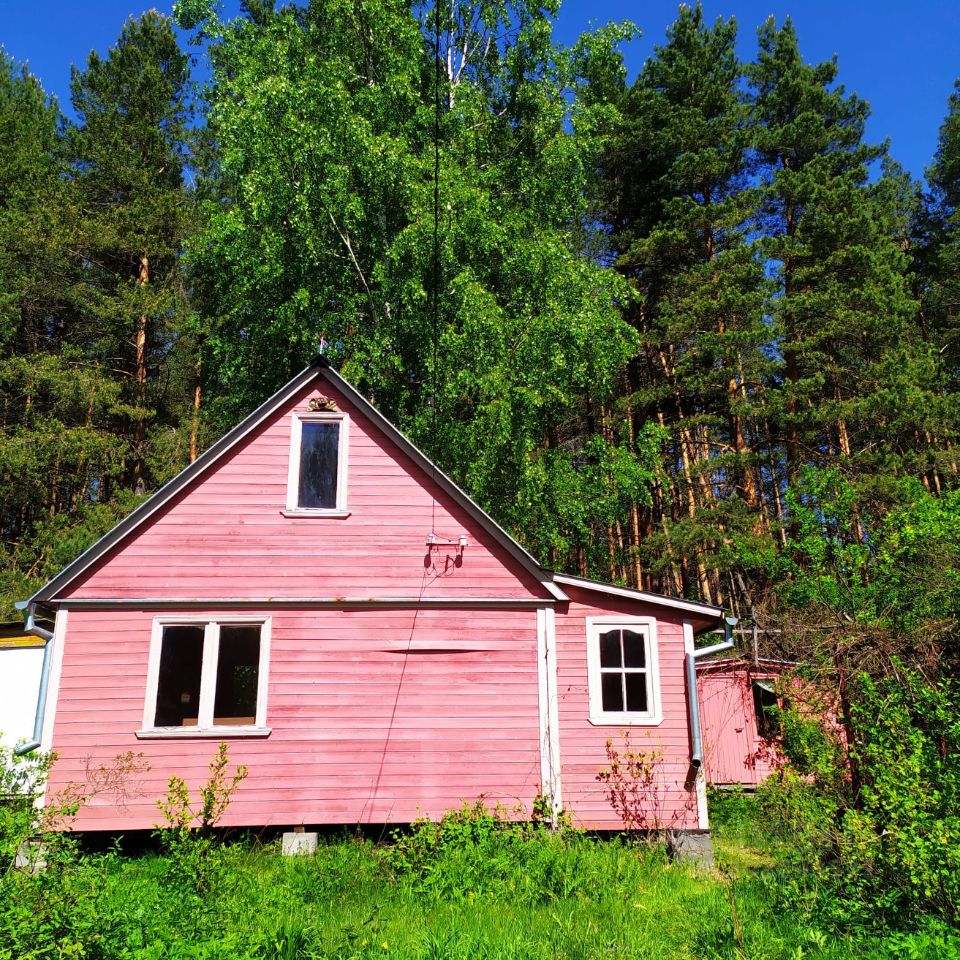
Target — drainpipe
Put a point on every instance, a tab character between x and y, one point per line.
30	627
693	700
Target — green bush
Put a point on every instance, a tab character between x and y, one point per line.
884	846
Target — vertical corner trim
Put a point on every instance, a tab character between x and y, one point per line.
53	684
549	709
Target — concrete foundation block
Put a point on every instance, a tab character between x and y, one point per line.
692	846
299	844
31	857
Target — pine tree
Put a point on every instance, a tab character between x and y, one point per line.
679	208
856	382
937	275
128	153
57	451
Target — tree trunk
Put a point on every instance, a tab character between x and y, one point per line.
140	429
195	418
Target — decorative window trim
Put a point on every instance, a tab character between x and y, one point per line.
293	471
647	626
208	679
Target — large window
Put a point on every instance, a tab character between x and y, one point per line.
207	677
317	479
622	671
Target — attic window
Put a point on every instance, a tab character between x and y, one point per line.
622	670
316	483
207	678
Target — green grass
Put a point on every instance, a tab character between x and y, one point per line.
468	892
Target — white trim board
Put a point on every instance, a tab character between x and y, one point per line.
689	606
53	681
550	779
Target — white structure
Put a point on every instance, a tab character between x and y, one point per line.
21	658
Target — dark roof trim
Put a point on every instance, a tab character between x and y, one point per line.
145	510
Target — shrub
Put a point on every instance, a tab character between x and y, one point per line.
188	832
890	849
632	779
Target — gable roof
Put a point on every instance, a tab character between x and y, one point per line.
319	366
552	582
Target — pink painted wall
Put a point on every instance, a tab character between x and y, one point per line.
362	731
225	536
583	744
734	752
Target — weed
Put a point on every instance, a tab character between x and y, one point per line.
631	778
187	835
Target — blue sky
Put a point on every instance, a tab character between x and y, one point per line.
901	56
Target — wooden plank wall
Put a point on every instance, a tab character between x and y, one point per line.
226	536
376	716
672	804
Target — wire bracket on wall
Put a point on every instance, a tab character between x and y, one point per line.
460	543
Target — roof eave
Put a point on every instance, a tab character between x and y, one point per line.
702	611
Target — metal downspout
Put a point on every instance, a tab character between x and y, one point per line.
30	627
693	700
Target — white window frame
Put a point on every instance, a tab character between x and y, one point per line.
293	472
208	679
647	627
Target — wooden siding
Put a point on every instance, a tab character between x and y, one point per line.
225	536
376	716
733	751
583	744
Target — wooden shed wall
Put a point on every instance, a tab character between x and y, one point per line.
734	752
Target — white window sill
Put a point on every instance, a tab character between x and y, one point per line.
197	733
625	720
316	514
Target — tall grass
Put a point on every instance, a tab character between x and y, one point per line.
469	889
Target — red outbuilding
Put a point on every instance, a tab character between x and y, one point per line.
370	644
738	702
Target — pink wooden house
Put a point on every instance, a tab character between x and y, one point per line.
316	593
740	735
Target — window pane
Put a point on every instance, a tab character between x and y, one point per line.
636	691
178	688
634	649
610	649
319	445
612	691
237	675
764	701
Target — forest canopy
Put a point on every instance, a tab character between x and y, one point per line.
648	313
